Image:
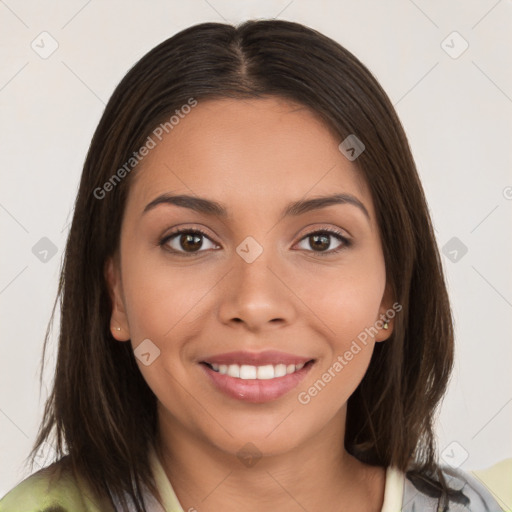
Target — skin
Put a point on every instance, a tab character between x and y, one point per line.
254	157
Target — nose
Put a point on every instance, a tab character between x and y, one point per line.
257	295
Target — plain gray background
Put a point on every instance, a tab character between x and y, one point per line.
454	102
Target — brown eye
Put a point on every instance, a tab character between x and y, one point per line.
190	241
187	241
320	241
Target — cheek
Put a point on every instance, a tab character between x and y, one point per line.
347	302
347	299
334	383
161	300
341	368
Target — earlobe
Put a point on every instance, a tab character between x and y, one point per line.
385	327
118	333
118	321
385	323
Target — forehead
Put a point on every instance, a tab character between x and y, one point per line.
255	151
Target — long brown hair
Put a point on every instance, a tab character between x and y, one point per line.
100	409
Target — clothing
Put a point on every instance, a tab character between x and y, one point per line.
38	492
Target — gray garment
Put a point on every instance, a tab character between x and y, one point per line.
472	495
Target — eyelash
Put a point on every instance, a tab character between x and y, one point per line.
337	234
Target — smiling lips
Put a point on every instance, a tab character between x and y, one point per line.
256	377
246	371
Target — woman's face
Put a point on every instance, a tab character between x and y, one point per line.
266	289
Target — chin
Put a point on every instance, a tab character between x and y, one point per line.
268	438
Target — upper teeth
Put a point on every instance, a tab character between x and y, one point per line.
246	371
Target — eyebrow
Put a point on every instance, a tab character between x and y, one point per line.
209	207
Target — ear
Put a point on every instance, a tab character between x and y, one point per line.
387	312
118	321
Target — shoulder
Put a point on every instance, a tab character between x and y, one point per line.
51	489
498	480
469	492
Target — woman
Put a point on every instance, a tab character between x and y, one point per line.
253	309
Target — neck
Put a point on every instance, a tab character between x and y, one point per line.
319	474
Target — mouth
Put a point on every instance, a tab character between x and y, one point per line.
256	383
251	372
